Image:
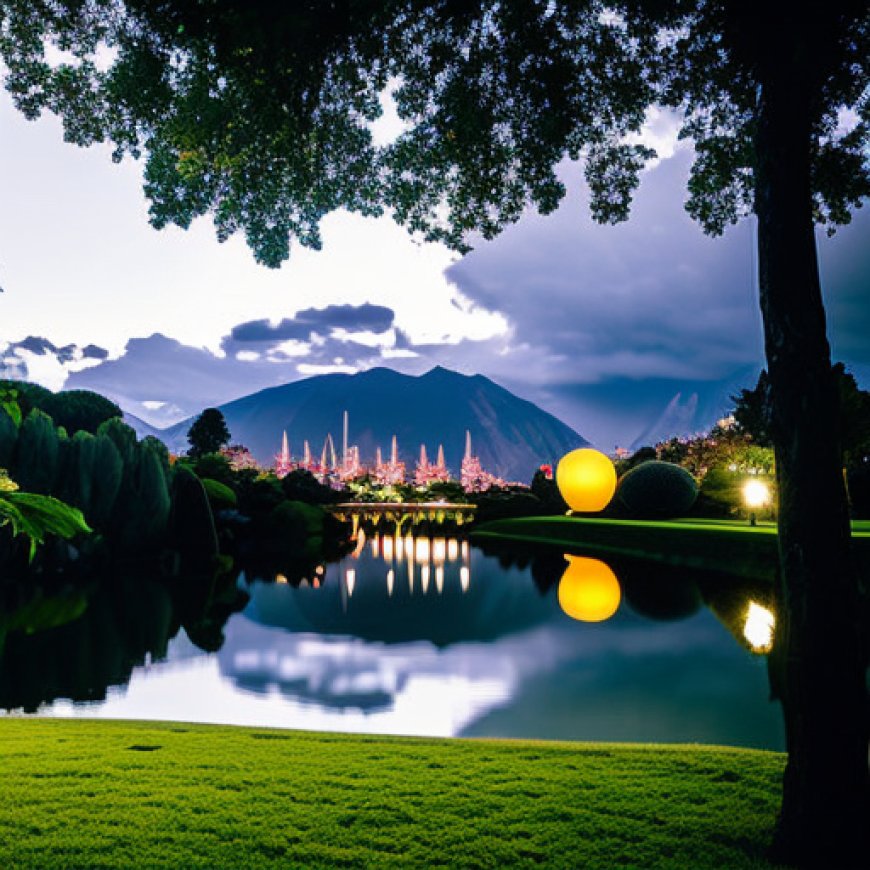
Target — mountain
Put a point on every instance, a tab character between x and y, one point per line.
141	428
511	436
695	408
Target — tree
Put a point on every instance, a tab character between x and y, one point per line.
75	410
752	412
208	433
80	410
257	113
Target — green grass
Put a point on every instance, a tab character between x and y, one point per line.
133	794
702	544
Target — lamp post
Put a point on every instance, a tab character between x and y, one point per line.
756	494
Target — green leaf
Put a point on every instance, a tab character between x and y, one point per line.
37	516
9	403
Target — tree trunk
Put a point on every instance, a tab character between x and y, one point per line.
818	666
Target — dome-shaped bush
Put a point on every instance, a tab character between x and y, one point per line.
657	490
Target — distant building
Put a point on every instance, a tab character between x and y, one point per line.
473	478
390	473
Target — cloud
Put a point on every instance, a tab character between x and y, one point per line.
653	297
37	359
263	330
311	323
845	267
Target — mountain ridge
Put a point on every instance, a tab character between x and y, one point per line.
511	435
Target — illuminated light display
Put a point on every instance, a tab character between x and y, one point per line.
586	479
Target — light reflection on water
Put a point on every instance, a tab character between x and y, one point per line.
419	635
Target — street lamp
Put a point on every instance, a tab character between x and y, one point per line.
756	494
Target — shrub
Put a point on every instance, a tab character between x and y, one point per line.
191	524
36	461
220	496
29	396
79	410
258	496
859	492
657	490
214	466
8	438
302	485
152	495
123	437
721	488
108	470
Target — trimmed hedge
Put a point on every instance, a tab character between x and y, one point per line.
657	490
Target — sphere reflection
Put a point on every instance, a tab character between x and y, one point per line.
588	590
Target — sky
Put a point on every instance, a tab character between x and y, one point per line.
625	332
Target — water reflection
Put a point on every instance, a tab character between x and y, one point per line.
79	639
588	590
404	588
592	590
421	562
409	633
758	628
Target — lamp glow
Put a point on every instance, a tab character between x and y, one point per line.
589	590
758	628
587	479
756	493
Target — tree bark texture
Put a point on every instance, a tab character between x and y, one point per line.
819	663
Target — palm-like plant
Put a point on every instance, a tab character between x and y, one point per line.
36	516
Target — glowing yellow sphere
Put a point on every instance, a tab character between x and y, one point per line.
587	479
589	590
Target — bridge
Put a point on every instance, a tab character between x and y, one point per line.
402	512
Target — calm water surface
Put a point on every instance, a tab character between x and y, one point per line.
425	636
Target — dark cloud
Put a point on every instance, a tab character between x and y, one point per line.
316	321
652	297
845	266
36	344
14	365
627	330
92	351
263	330
354	318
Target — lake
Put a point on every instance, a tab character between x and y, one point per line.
421	636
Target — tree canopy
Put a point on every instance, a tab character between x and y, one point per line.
752	413
259	113
208	433
74	410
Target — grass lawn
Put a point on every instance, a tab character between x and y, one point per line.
714	545
79	793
